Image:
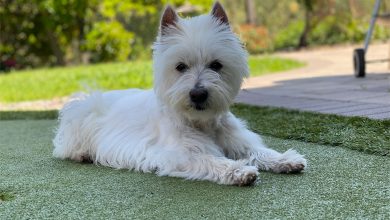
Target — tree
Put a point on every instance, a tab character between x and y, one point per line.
314	12
250	10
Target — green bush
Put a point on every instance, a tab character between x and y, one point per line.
331	30
109	41
255	38
288	37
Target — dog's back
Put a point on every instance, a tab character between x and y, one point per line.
80	121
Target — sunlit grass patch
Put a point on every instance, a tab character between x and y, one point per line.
62	81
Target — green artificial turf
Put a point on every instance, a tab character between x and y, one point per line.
362	134
357	133
28	115
62	81
339	183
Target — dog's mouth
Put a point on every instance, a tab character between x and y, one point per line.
198	107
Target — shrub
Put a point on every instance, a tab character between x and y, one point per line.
256	39
288	37
109	41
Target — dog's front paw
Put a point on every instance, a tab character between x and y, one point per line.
245	176
291	162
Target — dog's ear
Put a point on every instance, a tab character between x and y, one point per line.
219	13
168	19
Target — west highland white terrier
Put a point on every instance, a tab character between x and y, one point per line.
183	127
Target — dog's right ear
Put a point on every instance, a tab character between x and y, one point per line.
219	13
168	19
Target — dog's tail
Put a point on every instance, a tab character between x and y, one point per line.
78	123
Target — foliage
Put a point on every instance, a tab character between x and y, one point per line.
109	41
35	31
288	37
61	32
330	21
256	39
57	82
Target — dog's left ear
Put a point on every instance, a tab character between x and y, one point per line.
219	12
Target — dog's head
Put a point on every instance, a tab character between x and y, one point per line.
199	63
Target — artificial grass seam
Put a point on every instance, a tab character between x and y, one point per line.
356	133
28	115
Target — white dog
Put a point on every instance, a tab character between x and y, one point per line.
182	127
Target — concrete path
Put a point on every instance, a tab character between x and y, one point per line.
326	84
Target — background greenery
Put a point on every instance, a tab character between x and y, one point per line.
64	32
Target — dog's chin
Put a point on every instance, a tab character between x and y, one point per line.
199	112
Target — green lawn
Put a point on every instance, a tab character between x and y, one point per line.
339	183
59	82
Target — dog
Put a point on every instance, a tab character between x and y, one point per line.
182	127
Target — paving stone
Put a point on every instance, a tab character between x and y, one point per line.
385	115
353	108
384	99
329	104
364	112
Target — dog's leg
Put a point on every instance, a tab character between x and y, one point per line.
271	160
196	156
208	167
239	142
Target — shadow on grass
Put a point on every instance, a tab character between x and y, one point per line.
6	196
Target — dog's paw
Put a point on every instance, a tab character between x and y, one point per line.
291	162
245	176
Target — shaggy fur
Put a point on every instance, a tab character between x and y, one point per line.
183	127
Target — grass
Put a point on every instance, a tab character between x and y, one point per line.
357	133
62	81
339	183
58	82
6	196
362	134
264	65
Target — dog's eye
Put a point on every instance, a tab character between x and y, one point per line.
181	67
216	66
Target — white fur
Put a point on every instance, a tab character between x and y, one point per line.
160	131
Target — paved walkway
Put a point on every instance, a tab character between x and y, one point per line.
326	84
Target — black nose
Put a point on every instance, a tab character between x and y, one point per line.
198	95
